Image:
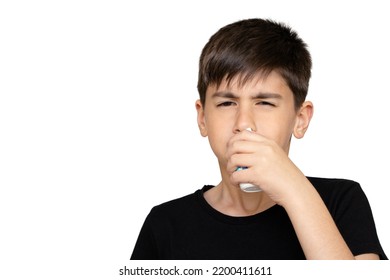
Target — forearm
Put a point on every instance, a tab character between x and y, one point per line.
314	226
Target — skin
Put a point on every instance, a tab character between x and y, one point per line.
266	105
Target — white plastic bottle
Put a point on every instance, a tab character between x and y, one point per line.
248	187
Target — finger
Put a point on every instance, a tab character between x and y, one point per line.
247	136
239	160
241	147
241	176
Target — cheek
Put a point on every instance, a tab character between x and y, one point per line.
285	137
218	142
279	131
218	137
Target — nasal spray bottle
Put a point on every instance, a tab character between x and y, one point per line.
247	187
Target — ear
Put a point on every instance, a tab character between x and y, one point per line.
303	118
201	118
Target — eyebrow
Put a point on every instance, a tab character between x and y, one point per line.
259	95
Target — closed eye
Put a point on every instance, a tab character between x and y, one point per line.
266	103
226	104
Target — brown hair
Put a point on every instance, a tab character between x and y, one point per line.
255	46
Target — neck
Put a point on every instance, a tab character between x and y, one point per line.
232	201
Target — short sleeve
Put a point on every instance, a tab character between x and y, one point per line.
352	213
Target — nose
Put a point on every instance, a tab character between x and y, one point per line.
244	120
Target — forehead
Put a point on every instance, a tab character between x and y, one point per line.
272	82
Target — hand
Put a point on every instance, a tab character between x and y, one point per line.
270	168
268	164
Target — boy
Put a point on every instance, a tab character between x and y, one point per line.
253	81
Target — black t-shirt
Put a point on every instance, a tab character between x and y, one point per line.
189	228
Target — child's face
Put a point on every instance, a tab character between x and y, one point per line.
264	105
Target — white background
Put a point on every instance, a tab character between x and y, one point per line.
98	124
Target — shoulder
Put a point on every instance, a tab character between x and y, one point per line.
175	208
336	191
325	184
332	186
